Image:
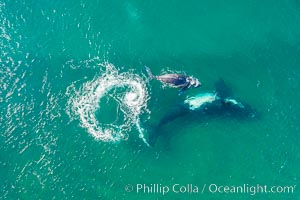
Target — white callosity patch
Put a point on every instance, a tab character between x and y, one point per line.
132	101
196	102
199	100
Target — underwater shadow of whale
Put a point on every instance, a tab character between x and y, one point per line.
211	105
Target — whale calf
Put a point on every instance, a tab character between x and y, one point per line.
181	81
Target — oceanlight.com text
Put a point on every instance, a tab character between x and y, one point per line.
176	188
250	189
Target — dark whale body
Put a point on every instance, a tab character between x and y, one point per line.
205	106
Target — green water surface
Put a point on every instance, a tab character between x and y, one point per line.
46	46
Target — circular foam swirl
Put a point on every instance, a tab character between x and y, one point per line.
127	89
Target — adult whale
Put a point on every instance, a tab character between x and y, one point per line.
181	81
205	106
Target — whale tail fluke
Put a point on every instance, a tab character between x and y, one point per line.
148	70
154	133
156	130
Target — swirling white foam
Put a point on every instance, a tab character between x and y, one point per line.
132	102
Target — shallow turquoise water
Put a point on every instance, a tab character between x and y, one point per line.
50	50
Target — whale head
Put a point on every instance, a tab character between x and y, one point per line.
194	82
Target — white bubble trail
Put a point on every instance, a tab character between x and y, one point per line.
130	92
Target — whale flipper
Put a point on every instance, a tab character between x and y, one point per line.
222	89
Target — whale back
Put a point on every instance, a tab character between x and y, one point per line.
175	79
